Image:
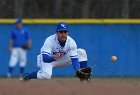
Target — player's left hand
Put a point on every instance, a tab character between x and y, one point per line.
84	74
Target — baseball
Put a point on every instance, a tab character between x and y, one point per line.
114	58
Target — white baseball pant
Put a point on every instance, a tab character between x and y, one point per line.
18	54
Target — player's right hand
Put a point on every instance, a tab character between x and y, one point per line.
57	56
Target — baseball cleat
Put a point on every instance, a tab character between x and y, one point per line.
24	77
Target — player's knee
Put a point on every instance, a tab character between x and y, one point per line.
47	76
82	54
83	51
44	75
22	64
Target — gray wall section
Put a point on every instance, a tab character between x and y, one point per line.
101	41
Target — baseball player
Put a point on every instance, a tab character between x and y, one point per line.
58	50
20	41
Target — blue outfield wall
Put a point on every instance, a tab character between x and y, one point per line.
101	41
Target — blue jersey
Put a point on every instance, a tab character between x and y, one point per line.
20	36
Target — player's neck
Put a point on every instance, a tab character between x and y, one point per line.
62	44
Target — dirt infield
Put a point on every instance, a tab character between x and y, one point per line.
70	86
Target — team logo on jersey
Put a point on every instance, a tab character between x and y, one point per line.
63	25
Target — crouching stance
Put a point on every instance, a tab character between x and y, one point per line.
60	50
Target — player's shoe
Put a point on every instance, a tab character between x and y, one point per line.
24	77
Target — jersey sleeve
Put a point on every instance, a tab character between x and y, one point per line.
74	55
73	49
47	47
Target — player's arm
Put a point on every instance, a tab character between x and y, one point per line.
75	63
11	41
10	45
29	43
29	40
46	52
74	56
47	58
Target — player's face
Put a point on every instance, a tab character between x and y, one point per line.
62	35
19	25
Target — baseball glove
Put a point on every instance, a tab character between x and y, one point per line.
25	47
84	74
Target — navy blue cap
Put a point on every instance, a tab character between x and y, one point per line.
62	26
18	20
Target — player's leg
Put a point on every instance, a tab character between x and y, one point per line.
45	71
13	61
32	75
23	60
82	56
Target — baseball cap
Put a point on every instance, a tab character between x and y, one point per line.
62	26
18	20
